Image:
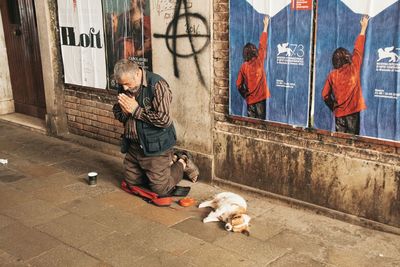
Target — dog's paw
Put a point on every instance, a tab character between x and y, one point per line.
203	205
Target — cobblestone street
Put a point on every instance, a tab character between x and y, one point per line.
49	216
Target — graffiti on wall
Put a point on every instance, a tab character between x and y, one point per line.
166	8
187	33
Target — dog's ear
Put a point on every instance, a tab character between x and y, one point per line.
245	232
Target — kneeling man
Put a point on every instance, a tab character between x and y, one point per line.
149	134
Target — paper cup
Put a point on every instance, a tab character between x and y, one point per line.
92	178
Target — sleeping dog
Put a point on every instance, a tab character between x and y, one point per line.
229	208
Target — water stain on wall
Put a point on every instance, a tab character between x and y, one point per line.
351	185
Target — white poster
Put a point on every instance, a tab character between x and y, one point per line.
82	42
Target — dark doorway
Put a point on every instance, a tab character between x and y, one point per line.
21	37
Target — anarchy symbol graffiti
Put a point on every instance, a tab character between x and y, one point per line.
197	42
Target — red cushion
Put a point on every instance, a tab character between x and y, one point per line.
146	194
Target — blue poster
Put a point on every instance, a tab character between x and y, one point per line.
357	68
270	44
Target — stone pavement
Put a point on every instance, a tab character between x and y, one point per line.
49	216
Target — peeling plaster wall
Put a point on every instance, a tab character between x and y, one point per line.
6	96
192	89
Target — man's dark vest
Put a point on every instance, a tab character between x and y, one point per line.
153	140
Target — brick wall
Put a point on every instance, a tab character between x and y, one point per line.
357	175
89	113
221	59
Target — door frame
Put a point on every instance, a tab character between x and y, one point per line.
50	55
6	96
21	38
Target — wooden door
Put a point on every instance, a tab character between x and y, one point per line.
21	36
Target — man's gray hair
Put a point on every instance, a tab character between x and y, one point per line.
124	66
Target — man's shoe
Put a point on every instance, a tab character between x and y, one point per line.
191	170
179	191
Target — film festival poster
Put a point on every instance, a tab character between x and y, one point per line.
364	97
270	71
128	33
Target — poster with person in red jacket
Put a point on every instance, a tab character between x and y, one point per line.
356	87
342	91
252	81
270	60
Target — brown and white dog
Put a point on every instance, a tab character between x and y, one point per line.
229	208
